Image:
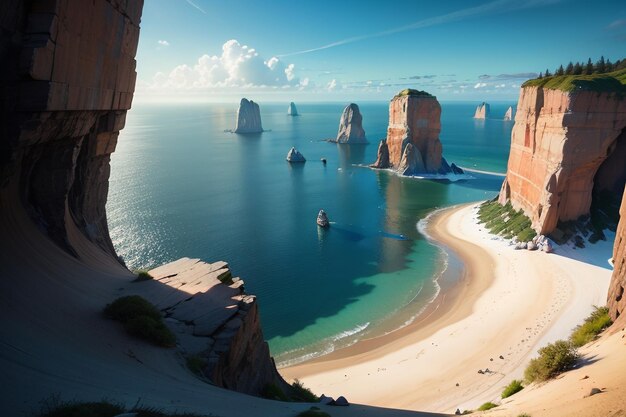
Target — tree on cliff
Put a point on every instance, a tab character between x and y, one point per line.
569	70
589	67
601	66
559	71
548	73
578	69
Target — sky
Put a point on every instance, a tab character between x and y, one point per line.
321	50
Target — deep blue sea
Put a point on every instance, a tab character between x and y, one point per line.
183	186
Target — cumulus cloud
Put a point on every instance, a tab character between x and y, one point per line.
237	66
163	42
480	85
332	85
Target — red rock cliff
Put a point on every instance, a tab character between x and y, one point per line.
416	119
562	144
616	301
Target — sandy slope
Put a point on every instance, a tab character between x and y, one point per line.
509	303
54	341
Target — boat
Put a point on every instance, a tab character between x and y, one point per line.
322	219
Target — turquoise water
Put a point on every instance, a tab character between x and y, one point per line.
182	186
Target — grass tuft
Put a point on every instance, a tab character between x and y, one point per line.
414	93
313	412
299	393
487	406
142	275
141	319
196	364
514	387
273	392
597	321
553	359
505	221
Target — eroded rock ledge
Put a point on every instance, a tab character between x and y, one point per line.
215	321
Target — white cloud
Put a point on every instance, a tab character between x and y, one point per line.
480	85
237	66
332	85
163	42
500	85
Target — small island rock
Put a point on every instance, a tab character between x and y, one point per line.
351	126
294	155
292	110
248	117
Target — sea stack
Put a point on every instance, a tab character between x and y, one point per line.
414	118
382	161
482	111
248	117
294	155
351	126
509	114
292	110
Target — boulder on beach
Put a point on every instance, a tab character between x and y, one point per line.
341	402
248	117
326	400
531	246
351	126
294	155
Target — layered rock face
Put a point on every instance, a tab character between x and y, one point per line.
351	126
214	320
292	110
415	119
248	117
564	147
616	299
482	111
509	114
68	76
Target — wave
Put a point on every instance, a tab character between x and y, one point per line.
348	333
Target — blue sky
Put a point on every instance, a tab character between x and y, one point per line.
221	50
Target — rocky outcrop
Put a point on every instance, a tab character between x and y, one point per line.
351	126
564	147
411	162
248	117
482	111
616	299
215	323
292	110
294	155
508	116
414	118
67	79
382	161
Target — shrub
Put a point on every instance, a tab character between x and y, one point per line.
523	415
141	319
196	364
143	275
487	406
313	412
514	387
553	359
300	393
597	321
273	392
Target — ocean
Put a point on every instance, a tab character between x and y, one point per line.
182	185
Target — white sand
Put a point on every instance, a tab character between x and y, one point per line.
509	303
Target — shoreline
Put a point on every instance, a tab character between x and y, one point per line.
505	305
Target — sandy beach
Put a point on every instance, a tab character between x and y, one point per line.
506	305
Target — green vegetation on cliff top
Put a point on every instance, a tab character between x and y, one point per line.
414	93
608	82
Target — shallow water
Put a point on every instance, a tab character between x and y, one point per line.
182	186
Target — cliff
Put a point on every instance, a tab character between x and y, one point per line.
615	299
414	117
351	126
67	78
482	111
248	117
566	146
